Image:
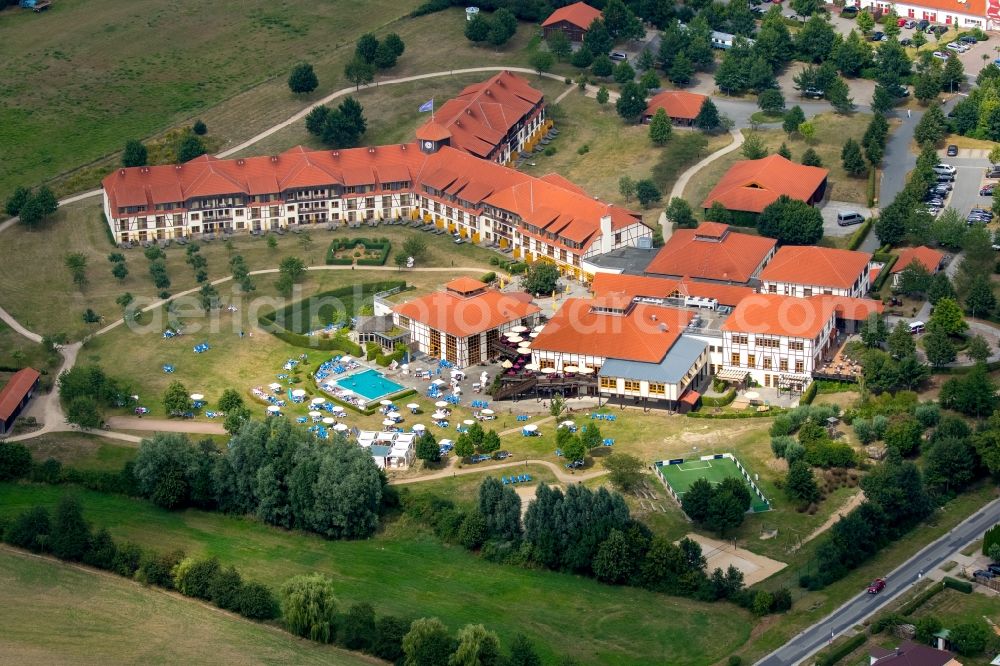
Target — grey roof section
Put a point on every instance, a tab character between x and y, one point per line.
670	370
373	323
379	450
628	259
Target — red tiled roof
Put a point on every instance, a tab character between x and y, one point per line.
464	285
911	654
653	287
975	8
811	265
464	316
482	114
856	309
931	259
13	393
776	314
752	185
644	333
579	14
733	259
677	104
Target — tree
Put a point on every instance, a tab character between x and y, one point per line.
696	500
119	271
681	71
927	87
852	160
659	128
631	102
395	44
190	147
522	652
979	299
793	119
927	627
464	446
791	222
199	127
647	192
542	278
70	535
602	66
134	154
973	394
541	61
82	410
624	73
15	461
31	530
598	39
76	264
800	484
865	22
427	643
366	47
811	158
476	647
900	341
753	147
873	331
17	200
815	40
970	638
303	79
933	126
953	74
947	317
478	29
176	399
503	25
385	58
559	45
680	214
359	72
978	349
625	471
230	399
707	119
939	348
582	58
837	93
389	632
727	509
602	95
626	187
491	442
309	608
808	131
771	101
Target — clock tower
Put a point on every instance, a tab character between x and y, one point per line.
431	136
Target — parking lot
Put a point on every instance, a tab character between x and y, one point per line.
970	169
829	209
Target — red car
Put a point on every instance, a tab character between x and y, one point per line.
877	586
901	22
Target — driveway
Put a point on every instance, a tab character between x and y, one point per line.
829	209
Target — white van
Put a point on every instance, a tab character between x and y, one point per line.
846	218
916	327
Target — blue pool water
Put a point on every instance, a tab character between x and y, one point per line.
370	384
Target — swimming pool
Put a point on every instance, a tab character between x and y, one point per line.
370	385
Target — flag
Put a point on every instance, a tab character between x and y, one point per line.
427	106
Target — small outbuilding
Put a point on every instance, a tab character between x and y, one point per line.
681	107
15	395
574	20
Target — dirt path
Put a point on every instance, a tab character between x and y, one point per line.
560	473
852	503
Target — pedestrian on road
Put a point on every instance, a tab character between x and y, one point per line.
908	113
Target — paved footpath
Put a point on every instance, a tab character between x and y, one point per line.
560	473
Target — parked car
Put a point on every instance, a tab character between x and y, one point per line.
849	12
986	190
877	36
952	150
922	24
944	168
945	187
982	212
937	30
906	42
846	218
934	201
618	55
940	55
910	23
576	464
948	178
968	39
478	458
993	171
955	46
501	455
814	93
877	586
982	573
757	11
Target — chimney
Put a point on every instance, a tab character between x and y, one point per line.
177	167
241	161
274	158
371	149
122	172
607	239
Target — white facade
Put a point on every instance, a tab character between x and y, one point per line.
910	10
857	290
775	360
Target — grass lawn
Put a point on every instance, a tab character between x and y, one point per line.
80	616
32	354
404	572
49	303
682	476
81	451
68	104
832	131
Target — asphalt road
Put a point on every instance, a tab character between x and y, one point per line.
864	605
968	180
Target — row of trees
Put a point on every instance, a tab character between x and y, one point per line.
33	206
85	391
67	535
495	29
273	471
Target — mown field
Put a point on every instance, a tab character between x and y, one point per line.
406	572
54	613
68	103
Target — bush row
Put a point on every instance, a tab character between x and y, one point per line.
883	274
916	602
732	415
963	586
809	395
847	647
68	536
336	343
382	245
859	235
721	401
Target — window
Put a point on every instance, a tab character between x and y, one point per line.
631	385
796	345
609	383
751	361
734	359
772	288
807	291
799	366
739	339
783	365
658	389
766	363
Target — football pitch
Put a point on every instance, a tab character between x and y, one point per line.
680	476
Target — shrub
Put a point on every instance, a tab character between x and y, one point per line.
157	569
101	551
30	530
194	578
224	589
550	151
912	605
127	558
488	277
255	601
15	461
70	533
842	650
963	586
309	608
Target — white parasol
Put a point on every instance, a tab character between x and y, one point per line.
488	412
548	371
385	403
393	415
329	420
468	421
515	338
438	416
315	414
519	329
273	409
531	366
318	401
412	405
197	396
299	393
441	404
570	368
419	427
585	370
507	365
388	422
340	427
531	427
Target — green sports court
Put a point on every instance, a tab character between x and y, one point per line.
680	474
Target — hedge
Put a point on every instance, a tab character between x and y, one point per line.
269	320
842	650
809	395
337	343
735	415
990	537
381	244
916	602
721	401
963	586
884	274
858	237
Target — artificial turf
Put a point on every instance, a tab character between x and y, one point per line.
680	476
